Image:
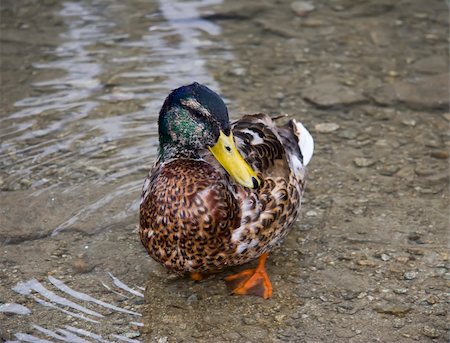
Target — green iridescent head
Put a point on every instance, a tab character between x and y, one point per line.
194	118
191	119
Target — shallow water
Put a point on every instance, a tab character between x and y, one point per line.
82	85
96	122
79	140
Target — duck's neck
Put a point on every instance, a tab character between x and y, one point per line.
169	151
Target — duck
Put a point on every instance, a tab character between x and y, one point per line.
220	193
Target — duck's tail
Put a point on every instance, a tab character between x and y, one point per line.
304	140
299	145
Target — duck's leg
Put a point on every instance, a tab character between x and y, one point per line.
252	281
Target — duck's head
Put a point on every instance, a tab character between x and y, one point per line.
195	118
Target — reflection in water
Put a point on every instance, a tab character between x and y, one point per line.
38	292
71	132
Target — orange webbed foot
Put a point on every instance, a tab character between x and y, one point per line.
195	276
251	281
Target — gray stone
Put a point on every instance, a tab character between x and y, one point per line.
132	334
326	127
434	64
348	134
430	331
192	298
400	290
382	37
388	170
232	336
329	92
420	93
398	311
385	257
302	8
370	9
364	162
423	92
411	275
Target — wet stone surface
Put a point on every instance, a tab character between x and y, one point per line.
368	259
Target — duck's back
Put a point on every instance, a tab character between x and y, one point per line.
269	211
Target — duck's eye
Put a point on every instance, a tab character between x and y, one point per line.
228	148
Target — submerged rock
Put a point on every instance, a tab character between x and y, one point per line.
302	8
326	127
329	92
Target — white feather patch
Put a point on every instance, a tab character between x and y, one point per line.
256	139
305	142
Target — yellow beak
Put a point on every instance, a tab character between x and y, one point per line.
226	153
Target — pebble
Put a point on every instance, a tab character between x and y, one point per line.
350	295
398	323
389	170
411	275
385	257
364	162
431	36
400	290
402	259
430	331
232	336
302	8
409	122
441	154
432	299
326	127
249	321
280	318
132	334
81	266
366	263
238	71
192	298
348	134
415	251
313	23
420	15
380	37
361	295
393	73
338	8
398	311
359	210
424	170
26	182
382	143
346	309
311	213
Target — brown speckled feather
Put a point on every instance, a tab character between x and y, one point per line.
195	218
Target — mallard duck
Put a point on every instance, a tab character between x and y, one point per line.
221	194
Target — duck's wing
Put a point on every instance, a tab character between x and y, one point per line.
272	150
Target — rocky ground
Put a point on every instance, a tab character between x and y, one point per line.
368	261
